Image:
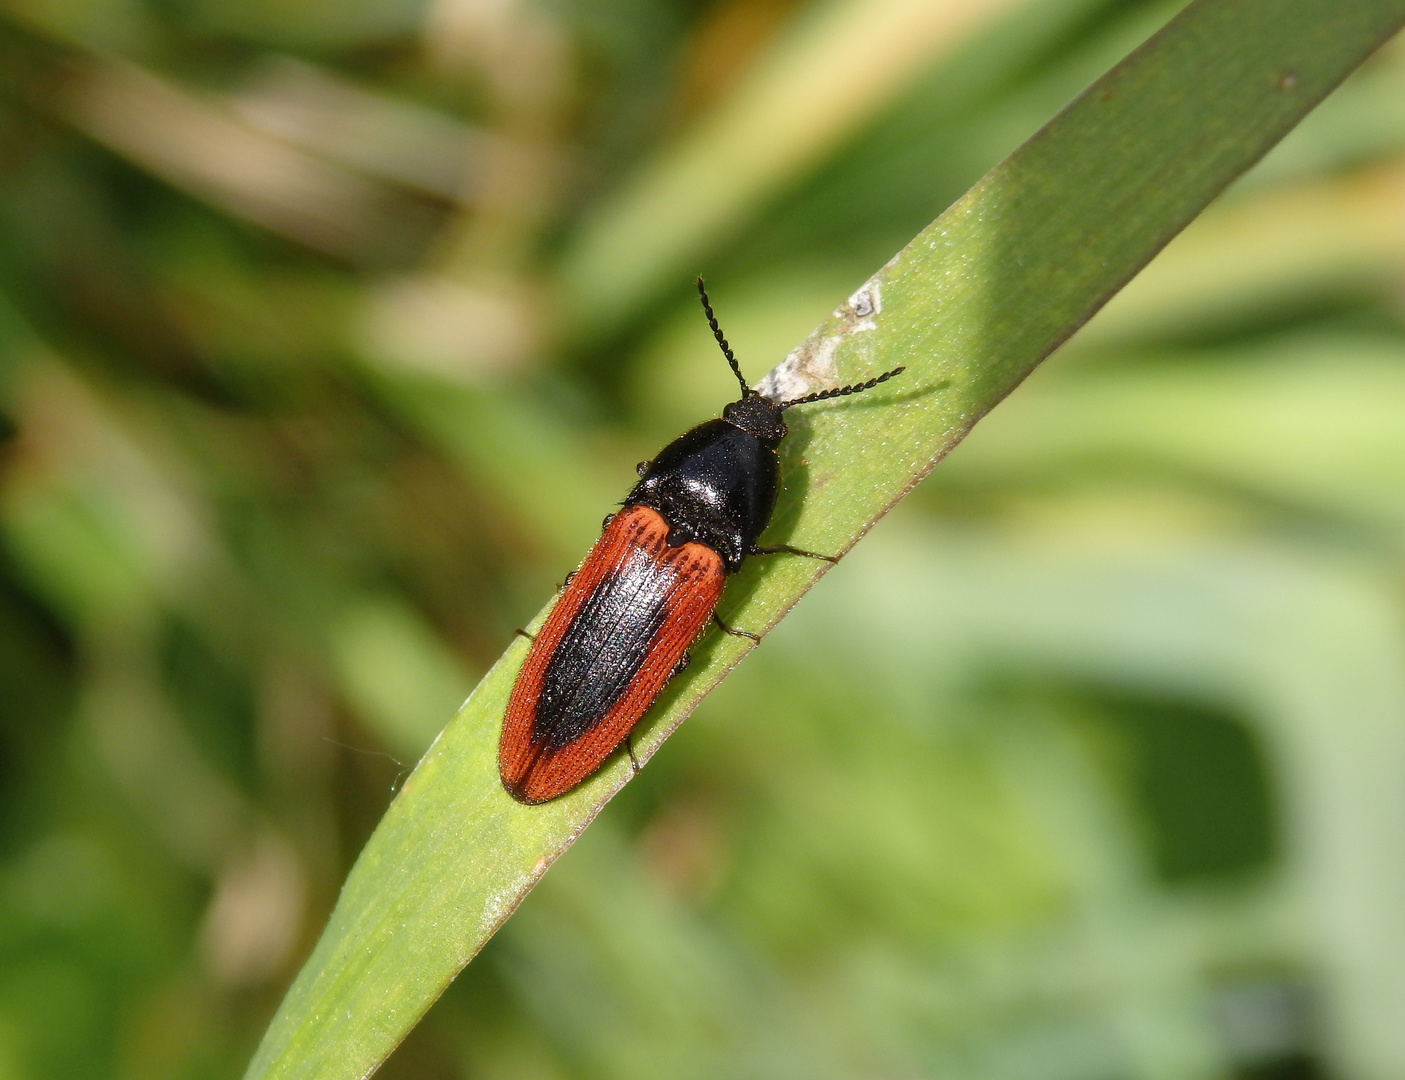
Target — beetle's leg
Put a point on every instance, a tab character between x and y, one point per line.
735	633
519	632
786	549
629	749
683	662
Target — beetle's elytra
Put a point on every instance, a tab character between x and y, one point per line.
624	623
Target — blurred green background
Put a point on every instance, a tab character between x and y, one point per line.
328	333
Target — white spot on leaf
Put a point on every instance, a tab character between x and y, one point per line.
810	366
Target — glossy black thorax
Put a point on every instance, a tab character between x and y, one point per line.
717	483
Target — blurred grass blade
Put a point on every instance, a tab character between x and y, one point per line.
381	136
397	673
1322	237
206	149
826	78
971	306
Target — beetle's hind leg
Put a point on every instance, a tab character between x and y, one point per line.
786	549
735	633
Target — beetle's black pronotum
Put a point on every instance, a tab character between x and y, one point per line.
624	623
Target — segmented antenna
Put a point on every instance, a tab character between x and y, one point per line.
844	391
722	341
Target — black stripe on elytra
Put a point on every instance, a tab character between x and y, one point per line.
602	650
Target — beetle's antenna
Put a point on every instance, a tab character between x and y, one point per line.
722	341
844	391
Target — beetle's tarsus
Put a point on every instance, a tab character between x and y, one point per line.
735	633
786	549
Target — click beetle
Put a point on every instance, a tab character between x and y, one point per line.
623	625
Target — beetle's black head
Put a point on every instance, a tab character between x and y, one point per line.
757	416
